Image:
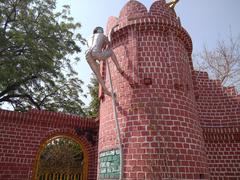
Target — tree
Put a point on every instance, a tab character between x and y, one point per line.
223	62
61	155
93	108
35	45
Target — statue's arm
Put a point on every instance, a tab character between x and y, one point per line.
111	32
107	43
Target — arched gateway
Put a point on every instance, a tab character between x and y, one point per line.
25	135
62	156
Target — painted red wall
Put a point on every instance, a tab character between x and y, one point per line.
175	121
223	152
219	112
217	105
160	127
23	134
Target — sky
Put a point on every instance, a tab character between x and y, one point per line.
207	21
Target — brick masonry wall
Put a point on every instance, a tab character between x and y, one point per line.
23	134
219	112
223	151
161	133
217	105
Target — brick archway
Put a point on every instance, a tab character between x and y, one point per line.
23	135
84	144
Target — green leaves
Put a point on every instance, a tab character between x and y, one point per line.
61	155
94	105
36	42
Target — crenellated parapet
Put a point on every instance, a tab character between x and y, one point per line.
218	106
160	17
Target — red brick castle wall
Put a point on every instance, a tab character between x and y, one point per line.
175	122
22	136
161	131
219	112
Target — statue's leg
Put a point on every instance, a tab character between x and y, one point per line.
94	66
114	59
109	53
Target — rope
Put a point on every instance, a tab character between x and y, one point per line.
116	124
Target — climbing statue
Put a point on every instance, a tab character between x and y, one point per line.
173	3
100	50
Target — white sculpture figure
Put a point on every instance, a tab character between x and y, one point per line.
100	50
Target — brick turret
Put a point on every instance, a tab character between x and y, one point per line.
156	105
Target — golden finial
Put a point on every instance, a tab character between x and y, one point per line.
173	3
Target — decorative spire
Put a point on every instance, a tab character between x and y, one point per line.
173	3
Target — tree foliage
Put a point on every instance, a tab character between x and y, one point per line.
223	62
61	155
35	45
93	108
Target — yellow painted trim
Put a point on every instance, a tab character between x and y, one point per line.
67	136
